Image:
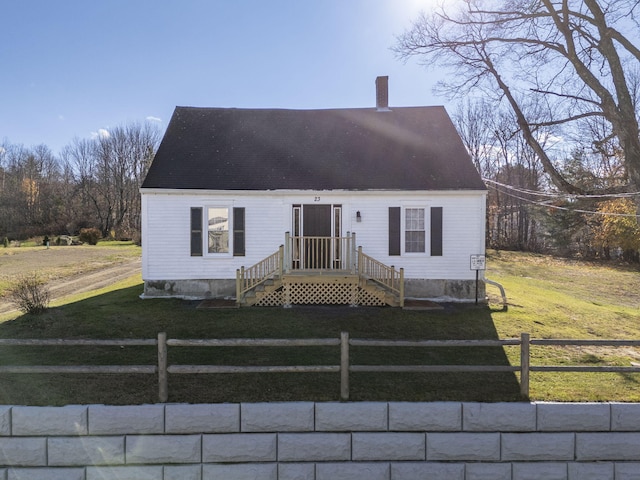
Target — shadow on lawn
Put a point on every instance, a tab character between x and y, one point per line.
122	314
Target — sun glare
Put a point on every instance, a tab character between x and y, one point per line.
411	8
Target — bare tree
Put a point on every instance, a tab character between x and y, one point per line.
476	123
503	158
3	170
556	63
109	171
79	160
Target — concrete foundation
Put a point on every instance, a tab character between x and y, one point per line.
190	289
430	289
444	290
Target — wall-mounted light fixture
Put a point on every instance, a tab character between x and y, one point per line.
358	216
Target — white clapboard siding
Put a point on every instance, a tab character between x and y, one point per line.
268	215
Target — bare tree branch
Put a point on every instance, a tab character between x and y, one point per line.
570	58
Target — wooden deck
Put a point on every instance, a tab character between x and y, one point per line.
350	278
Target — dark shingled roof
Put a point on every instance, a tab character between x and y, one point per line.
405	148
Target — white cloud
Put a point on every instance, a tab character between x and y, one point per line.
101	133
61	117
153	119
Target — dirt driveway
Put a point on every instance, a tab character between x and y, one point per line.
69	270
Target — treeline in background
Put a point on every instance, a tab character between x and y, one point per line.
92	184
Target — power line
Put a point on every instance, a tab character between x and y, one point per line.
560	195
552	206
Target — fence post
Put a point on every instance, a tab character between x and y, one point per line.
238	288
163	381
344	366
401	287
525	362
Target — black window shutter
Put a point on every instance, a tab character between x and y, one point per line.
196	231
436	231
394	230
238	232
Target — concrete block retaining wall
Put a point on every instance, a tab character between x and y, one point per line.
322	441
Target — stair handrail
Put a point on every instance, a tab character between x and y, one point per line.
385	275
249	278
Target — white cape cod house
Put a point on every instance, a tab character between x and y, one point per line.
363	206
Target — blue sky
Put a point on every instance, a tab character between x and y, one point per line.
71	68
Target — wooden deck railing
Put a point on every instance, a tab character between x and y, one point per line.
249	278
320	253
385	275
162	369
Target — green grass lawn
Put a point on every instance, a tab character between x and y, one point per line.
548	297
559	298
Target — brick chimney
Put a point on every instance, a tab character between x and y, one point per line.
382	94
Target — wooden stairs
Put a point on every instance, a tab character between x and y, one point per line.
271	283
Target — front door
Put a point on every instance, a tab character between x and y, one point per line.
314	227
316	220
316	230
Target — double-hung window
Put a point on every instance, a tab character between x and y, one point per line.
223	232
414	231
218	230
408	230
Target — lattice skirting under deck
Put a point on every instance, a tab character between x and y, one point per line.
272	299
371	298
318	293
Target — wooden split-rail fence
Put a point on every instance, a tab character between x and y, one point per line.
163	369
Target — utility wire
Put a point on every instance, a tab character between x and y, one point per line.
497	186
561	195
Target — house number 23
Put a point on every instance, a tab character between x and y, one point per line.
316	199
